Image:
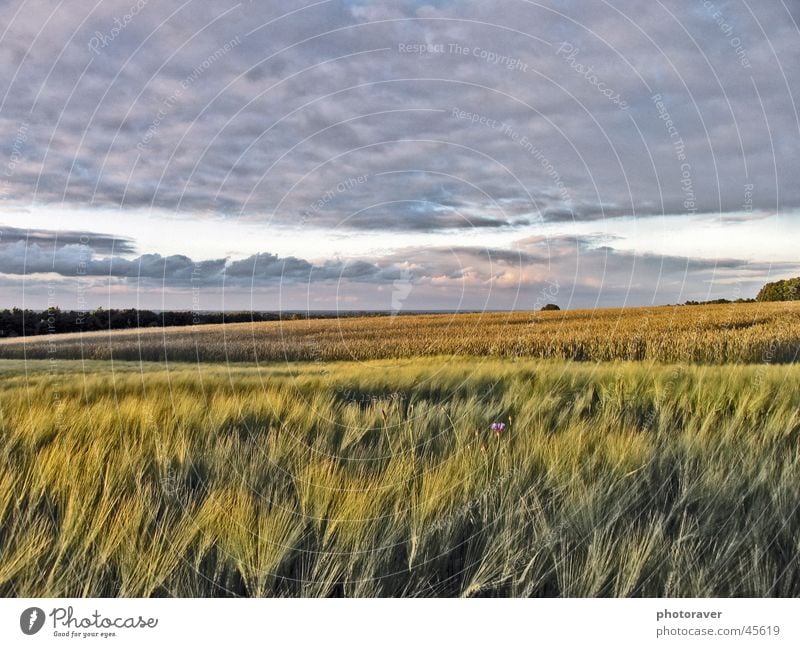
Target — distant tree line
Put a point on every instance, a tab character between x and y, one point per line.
17	322
787	290
717	302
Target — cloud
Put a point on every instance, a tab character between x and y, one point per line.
507	117
22	258
348	117
588	271
265	268
44	238
572	270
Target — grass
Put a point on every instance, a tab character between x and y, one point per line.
718	334
381	478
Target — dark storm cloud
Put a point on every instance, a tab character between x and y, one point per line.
236	108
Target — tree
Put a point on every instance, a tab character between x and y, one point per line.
785	290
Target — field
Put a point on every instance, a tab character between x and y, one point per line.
383	476
748	333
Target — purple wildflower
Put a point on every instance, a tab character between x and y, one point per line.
498	427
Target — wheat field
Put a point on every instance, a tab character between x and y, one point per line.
386	478
716	334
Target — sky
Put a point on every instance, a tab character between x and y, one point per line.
348	155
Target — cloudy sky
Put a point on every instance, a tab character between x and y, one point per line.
346	154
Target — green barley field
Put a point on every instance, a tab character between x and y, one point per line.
384	477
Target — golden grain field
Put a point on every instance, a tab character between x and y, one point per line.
716	334
608	480
370	470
